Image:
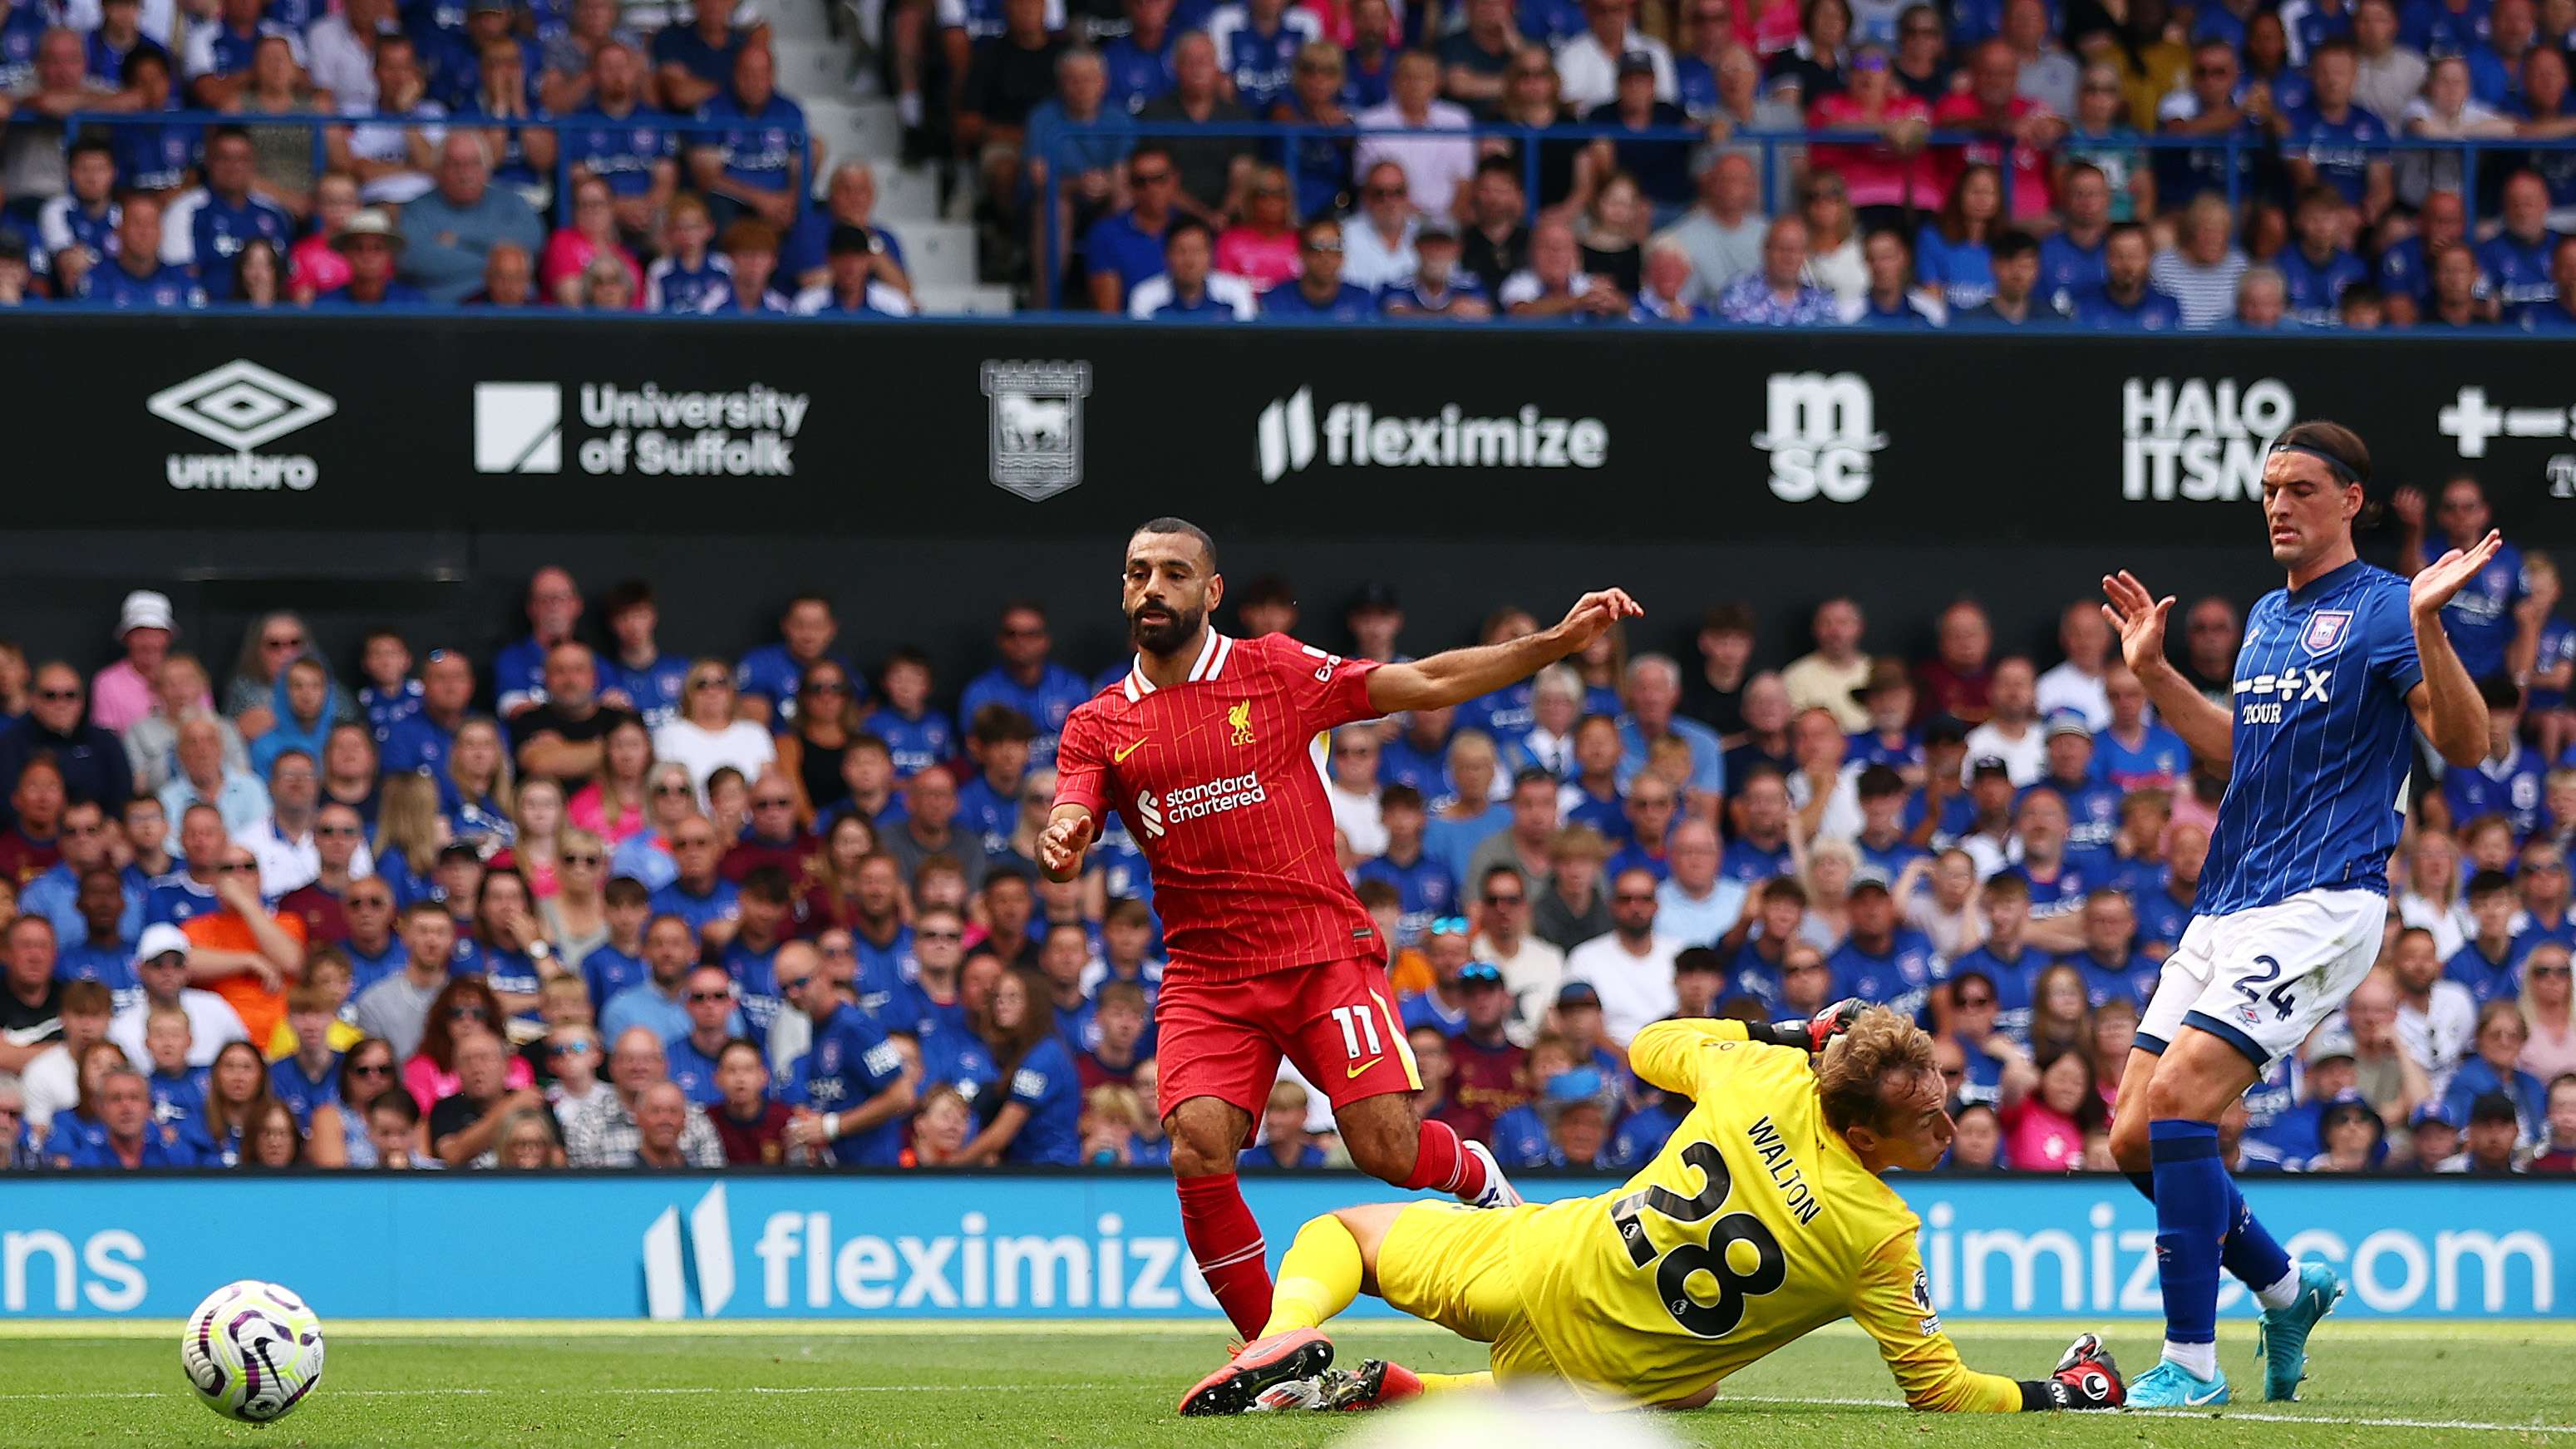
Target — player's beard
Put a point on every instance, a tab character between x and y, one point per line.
1165	633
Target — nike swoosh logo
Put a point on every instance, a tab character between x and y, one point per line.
1364	1066
1119	757
2204	1398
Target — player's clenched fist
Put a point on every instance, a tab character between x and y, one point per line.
1061	844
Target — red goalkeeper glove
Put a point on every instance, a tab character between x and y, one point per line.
2085	1378
1810	1033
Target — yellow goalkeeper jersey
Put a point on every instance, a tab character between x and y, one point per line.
1751	1228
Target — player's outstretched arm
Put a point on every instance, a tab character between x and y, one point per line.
2139	619
1892	1304
2447	705
1459	675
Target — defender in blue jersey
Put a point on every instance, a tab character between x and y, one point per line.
2336	672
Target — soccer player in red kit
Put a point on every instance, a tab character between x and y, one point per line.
1207	749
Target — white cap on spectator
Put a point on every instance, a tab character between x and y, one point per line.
161	939
144	609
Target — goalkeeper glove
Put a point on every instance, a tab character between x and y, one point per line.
1809	1034
2085	1378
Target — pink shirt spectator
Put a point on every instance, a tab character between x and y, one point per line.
2037	1139
2549	1057
426	1083
1264	261
586	811
2030	194
118	697
568	251
1874	174
314	268
1770	32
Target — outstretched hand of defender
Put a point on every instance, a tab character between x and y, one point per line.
2450	573
1594	613
1061	844
2139	617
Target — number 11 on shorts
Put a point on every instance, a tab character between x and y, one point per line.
1357	1023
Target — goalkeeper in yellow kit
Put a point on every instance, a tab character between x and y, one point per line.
1761	1219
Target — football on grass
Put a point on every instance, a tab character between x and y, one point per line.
252	1351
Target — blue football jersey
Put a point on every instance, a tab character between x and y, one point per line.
2323	739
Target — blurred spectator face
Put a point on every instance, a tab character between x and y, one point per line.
125	1105
391	1133
1993	73
2526	206
481	1066
2088	198
2015	690
2500	1041
1766	807
755	78
1487	1004
2319	222
606	285
1023	641
2124	261
136	229
371	258
1317	76
1284	1120
2374	26
1553	254
2562	1114
1784	253
1027	18
1194	68
2491	1144
336	834
1873	915
1632	903
447	684
2261	301
661	1115
2109	924
463	170
1766	704
2331	73
612	77
1497	196
743	1080
2455	280
229	167
1977	1143
1579	1132
938	940
2544	80
1819	739
1803	979
1448	949
1373	26
1187	255
93	175
638	1061
1650	808
2442	221
2041	824
1386	196
2543	877
1693	855
1886	257
1354	759
2213	75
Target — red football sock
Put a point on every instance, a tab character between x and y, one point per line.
1227	1244
1397	1385
1443	1164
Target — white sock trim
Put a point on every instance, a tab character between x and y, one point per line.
1229	1260
2281	1294
2200	1359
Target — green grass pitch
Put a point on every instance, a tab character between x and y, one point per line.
1099	1386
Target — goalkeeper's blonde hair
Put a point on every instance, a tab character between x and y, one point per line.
1855	1065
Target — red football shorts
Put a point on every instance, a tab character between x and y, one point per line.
1336	1021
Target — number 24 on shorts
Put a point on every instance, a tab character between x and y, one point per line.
1678	1263
2279	996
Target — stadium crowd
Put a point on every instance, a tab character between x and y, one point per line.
579	902
2139	166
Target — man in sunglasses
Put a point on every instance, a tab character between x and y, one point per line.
1319	294
288	844
83	841
90	761
338	840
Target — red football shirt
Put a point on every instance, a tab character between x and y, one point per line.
1216	777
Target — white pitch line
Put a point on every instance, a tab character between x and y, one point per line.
663	1391
2246	1416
